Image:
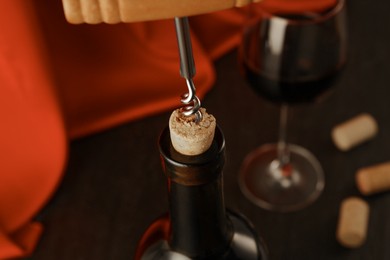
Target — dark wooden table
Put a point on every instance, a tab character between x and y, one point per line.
114	187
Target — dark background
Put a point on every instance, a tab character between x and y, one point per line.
114	188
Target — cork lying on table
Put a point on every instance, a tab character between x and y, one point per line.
354	131
189	137
115	11
373	179
353	222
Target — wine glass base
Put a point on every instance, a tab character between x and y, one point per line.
282	189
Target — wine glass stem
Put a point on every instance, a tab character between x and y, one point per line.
283	152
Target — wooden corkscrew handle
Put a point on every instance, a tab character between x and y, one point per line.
116	11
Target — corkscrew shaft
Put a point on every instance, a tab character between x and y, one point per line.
187	68
187	64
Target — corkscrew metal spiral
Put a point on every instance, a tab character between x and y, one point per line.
187	69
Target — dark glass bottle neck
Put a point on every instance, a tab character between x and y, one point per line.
199	226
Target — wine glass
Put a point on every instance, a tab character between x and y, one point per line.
287	59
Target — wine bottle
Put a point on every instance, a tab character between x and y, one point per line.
198	226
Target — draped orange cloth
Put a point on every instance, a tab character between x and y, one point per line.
60	81
32	135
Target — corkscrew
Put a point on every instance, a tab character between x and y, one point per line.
187	69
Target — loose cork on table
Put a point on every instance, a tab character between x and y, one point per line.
353	222
190	137
354	131
373	179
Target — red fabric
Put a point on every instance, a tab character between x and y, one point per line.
104	74
32	137
22	242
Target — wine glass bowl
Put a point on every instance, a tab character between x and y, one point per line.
294	57
287	59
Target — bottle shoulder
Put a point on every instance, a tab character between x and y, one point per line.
245	244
